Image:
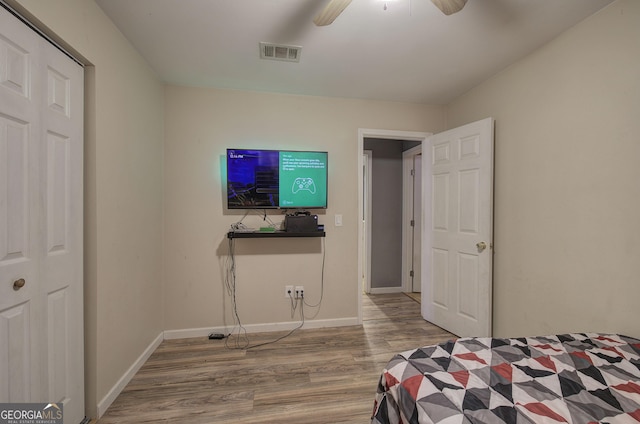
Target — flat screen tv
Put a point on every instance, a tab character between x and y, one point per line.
269	179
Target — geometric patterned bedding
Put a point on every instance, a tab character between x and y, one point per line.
568	378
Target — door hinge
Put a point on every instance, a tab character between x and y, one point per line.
411	273
413	223
413	172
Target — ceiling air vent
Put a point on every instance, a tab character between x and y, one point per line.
280	52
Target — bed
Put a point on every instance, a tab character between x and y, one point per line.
568	378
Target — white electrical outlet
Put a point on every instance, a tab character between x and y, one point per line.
299	291
288	292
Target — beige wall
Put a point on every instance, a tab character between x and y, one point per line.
567	179
125	307
200	125
123	192
566	191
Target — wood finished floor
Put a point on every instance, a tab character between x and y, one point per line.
313	376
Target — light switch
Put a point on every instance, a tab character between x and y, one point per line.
338	220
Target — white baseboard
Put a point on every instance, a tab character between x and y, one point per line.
193	332
259	328
386	290
106	401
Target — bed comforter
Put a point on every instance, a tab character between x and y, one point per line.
568	378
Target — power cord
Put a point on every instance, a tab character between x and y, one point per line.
241	341
319	304
290	332
240	226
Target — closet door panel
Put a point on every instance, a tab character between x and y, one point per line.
20	233
62	222
41	221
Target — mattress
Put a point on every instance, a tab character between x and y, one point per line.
567	378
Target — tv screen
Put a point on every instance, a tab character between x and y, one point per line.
263	179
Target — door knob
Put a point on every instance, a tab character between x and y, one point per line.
481	246
18	284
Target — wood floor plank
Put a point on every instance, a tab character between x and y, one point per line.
324	375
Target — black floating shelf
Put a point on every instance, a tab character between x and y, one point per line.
272	234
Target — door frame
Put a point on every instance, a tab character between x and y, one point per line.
408	207
367	165
383	134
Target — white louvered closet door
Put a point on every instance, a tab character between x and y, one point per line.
41	159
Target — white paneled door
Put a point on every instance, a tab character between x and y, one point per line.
41	145
458	222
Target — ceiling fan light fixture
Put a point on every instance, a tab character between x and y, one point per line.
449	7
331	11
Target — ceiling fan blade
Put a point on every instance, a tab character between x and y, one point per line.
449	7
331	12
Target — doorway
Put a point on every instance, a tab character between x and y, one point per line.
396	235
388	198
457	178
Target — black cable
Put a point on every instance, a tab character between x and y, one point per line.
286	335
294	304
324	254
230	282
231	289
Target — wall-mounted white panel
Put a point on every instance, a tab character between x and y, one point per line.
469	147
440	205
14	189
58	151
14	67
469	198
58	343
58	91
15	354
440	272
467	285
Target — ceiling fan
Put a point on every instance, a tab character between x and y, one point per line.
335	7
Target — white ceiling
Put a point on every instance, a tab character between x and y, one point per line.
410	52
